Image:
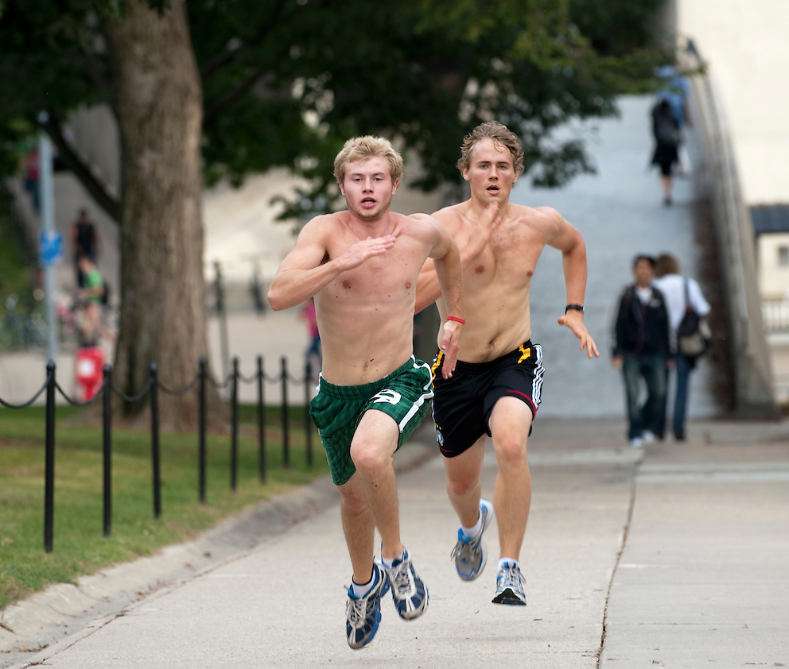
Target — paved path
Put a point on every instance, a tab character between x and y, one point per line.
681	559
620	213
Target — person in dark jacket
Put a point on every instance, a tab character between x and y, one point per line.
668	137
641	350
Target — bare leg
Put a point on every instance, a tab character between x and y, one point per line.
359	528
509	425
463	484
665	183
372	448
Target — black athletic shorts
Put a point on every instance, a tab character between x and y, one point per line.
463	403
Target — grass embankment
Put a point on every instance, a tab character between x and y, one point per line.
79	547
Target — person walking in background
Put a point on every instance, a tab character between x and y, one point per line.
314	349
84	240
641	350
667	135
91	294
675	287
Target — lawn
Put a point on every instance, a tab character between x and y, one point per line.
79	546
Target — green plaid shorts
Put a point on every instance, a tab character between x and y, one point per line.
336	410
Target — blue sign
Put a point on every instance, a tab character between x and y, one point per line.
50	245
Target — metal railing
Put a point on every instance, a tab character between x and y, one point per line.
151	388
775	315
750	354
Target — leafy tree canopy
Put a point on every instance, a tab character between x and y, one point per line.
286	82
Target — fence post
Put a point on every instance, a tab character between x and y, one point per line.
202	420
307	419
285	444
234	427
49	466
107	449
261	424
157	480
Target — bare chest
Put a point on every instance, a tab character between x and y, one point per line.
508	262
390	277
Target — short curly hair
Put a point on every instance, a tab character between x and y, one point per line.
364	148
497	132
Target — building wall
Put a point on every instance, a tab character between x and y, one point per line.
745	43
773	275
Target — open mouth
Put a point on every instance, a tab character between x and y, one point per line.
493	190
368	202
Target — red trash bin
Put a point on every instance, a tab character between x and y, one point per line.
89	370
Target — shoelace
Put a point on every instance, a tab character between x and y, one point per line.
511	577
356	612
400	577
463	550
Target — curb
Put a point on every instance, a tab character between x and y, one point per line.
41	622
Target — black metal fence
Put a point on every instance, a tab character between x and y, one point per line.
151	388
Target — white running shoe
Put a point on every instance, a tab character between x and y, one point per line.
471	555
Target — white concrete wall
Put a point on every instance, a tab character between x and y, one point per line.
773	277
746	43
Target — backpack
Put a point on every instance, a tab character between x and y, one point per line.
666	130
693	334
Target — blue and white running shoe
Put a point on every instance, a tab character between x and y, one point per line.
363	614
408	591
471	555
509	585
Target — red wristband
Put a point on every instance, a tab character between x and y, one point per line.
456	319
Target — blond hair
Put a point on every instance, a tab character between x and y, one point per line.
498	133
364	148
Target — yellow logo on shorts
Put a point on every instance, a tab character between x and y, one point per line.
436	364
525	353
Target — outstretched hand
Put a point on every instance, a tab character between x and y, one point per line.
361	251
575	321
450	345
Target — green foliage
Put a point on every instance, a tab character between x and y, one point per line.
285	82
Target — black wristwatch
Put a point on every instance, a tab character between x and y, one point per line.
575	307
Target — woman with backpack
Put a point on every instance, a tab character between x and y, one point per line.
682	295
666	131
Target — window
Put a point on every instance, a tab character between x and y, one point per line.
783	256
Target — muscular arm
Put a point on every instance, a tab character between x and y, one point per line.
428	288
303	273
569	241
449	273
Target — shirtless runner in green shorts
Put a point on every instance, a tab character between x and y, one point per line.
362	266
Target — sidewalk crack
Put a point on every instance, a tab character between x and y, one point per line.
623	543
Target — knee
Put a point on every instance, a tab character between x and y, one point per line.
370	461
510	453
461	483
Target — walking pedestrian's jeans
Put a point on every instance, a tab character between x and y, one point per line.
652	368
683	367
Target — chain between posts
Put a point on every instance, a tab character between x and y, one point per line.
51	387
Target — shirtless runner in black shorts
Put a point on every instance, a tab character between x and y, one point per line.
497	384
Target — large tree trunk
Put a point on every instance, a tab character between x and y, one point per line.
158	102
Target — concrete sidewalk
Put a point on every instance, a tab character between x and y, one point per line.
674	556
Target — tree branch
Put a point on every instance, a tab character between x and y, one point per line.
216	63
234	95
79	168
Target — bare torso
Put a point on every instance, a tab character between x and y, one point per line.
365	315
496	283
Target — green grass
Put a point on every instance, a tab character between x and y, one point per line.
79	546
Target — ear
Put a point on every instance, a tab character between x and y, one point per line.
465	173
395	185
